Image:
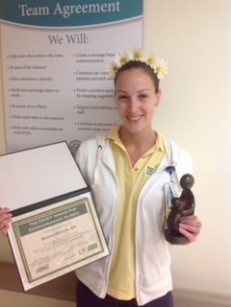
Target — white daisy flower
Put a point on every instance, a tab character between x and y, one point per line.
159	66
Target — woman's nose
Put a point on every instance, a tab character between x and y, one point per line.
133	105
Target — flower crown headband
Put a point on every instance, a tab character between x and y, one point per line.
159	66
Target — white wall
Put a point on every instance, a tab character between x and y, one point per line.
195	37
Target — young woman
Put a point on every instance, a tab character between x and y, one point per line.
128	172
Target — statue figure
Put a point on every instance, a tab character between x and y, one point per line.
181	206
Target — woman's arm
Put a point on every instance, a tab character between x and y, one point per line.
5	220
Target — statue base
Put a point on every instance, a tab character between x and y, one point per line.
175	237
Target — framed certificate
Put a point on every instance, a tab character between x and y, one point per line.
56	239
56	235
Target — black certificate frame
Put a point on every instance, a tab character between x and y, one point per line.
36	182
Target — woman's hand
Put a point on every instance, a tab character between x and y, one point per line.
5	220
190	227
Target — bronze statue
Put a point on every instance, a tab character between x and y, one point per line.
181	206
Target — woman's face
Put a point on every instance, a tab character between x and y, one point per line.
136	100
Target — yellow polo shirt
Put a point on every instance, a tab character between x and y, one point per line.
131	180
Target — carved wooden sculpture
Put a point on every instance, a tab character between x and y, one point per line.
181	206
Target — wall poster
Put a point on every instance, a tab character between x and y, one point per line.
55	59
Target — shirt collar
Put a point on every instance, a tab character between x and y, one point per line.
113	135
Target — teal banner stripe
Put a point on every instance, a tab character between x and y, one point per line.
69	13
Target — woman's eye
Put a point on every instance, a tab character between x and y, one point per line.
122	97
143	96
